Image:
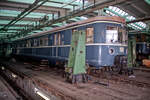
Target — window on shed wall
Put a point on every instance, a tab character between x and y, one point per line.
90	35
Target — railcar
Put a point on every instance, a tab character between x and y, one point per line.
106	38
142	51
143	48
143	45
5	50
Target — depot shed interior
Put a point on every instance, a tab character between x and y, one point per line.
53	50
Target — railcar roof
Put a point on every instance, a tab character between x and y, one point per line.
99	18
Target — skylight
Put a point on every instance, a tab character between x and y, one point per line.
114	11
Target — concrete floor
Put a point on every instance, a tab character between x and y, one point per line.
51	80
92	91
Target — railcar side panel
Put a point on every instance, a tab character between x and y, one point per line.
98	51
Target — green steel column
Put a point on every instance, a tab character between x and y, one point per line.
76	62
8	50
1	50
72	52
131	52
79	61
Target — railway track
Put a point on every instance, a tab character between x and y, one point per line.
108	73
114	77
7	92
105	77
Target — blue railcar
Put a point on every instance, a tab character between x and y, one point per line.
105	38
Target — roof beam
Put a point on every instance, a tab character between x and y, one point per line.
139	19
22	9
2	34
62	3
24	19
6	32
73	14
21	6
25	12
15	29
17	25
144	13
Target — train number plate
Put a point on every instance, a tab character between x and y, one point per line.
121	49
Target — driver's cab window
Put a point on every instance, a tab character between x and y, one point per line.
115	34
111	34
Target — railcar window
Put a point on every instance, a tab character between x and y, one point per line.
32	43
55	39
111	34
115	34
35	42
89	35
58	39
24	44
20	45
17	45
46	41
41	42
28	43
62	39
